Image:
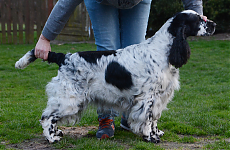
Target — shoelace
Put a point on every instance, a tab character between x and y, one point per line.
105	123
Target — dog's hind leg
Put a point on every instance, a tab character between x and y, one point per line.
50	129
65	114
66	101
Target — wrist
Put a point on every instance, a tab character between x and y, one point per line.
42	37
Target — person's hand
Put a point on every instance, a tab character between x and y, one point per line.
42	48
204	18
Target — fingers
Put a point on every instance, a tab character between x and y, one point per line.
204	18
42	48
40	53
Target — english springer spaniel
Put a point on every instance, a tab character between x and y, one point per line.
139	79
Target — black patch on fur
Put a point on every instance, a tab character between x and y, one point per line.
93	56
44	117
182	26
118	76
60	134
180	51
191	21
32	58
53	121
50	131
58	58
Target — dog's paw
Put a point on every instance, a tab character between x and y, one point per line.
59	133
146	138
155	139
53	139
152	139
52	133
160	133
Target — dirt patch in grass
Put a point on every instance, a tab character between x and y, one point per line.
41	143
78	132
32	144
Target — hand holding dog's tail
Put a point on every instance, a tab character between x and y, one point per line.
29	57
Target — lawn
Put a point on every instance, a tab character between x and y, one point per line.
199	111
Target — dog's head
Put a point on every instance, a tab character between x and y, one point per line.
184	24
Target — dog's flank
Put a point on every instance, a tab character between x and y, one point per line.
118	76
139	79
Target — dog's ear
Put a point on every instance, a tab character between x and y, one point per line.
180	51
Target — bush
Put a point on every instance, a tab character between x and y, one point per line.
216	10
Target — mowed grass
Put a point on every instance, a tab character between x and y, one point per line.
200	109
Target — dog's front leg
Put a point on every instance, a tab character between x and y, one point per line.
147	131
156	133
50	129
150	131
142	120
156	130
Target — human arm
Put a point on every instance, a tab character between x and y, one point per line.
196	5
55	23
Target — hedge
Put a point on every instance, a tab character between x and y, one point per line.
216	10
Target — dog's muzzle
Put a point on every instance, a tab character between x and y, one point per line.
211	26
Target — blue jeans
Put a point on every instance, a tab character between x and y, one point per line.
117	28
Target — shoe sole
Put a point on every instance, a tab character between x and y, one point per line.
124	127
104	136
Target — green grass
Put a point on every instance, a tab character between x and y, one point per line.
203	100
200	109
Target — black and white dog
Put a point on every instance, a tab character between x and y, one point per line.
139	79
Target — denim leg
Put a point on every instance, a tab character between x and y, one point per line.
114	28
133	23
105	21
117	28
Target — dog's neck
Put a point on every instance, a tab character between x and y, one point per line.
162	38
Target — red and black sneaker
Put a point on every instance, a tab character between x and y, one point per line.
106	127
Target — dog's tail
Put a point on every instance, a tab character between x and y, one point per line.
29	57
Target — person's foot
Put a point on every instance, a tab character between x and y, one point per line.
124	125
106	127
